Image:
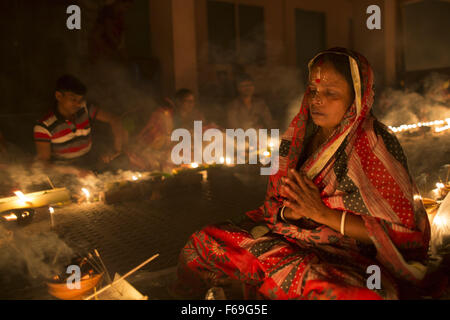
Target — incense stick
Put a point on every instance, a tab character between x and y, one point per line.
104	266
123	277
105	270
94	264
50	182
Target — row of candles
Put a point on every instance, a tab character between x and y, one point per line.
228	161
445	125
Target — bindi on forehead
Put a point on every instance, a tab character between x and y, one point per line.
316	76
325	76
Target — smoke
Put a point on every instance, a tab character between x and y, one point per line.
31	255
428	153
397	107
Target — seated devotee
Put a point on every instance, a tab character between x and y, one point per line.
247	111
63	136
154	145
341	201
185	110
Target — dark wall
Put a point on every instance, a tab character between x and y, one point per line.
34	52
37	48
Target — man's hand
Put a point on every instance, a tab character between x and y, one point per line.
303	197
119	133
108	157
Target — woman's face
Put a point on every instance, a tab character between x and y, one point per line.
246	88
330	96
188	103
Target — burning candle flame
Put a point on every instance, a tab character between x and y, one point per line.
405	127
440	185
86	192
194	165
134	178
226	160
273	142
21	196
10	217
51	210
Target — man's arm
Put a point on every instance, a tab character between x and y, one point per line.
119	133
43	151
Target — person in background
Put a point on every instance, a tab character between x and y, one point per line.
63	137
247	111
185	110
153	143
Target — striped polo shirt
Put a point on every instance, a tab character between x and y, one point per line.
69	140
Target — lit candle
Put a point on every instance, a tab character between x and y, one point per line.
10	217
36	199
194	165
405	127
86	193
24	200
51	210
204	174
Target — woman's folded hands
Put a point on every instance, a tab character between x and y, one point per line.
302	198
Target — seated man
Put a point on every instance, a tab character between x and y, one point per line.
64	135
247	111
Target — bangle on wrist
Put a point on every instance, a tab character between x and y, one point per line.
344	213
282	214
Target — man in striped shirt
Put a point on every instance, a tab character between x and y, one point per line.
64	134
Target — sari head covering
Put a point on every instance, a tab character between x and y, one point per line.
362	169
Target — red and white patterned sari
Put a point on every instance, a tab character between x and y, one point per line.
361	169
